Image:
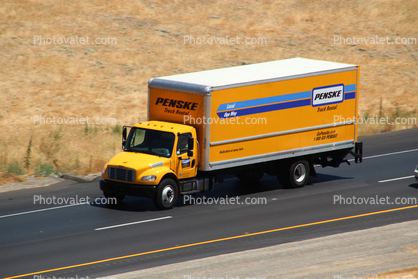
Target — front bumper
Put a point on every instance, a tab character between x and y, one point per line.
147	191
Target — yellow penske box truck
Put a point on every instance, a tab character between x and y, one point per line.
278	118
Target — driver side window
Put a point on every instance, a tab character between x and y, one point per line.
137	137
182	143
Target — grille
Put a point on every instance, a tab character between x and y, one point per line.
127	175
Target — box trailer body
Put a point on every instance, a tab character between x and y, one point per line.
260	118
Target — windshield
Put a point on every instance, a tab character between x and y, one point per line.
150	142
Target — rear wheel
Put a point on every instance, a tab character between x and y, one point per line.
294	175
167	194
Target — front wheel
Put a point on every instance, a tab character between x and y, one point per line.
294	175
167	194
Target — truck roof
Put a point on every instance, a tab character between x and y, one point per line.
247	74
163	126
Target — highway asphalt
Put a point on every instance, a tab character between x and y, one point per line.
94	240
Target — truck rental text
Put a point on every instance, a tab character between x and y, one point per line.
176	153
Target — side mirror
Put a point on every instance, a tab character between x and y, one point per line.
124	133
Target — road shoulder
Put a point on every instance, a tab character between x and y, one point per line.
356	254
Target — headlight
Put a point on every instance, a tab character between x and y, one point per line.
149	178
103	171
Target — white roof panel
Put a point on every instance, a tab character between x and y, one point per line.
258	72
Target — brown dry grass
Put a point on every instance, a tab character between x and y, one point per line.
410	273
71	80
11	178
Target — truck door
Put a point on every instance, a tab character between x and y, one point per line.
187	165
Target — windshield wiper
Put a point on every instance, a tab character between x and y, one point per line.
145	151
149	152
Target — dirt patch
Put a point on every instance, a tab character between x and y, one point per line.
29	182
410	273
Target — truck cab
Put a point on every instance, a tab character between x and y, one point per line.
159	160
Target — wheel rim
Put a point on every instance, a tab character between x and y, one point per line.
299	173
168	194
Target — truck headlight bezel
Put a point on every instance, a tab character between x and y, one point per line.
149	178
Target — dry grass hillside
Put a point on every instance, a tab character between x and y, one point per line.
109	80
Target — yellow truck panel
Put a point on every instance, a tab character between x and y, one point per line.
288	144
283	105
243	118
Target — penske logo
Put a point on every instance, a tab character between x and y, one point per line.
326	95
176	103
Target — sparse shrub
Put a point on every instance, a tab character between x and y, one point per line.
50	146
91	129
44	169
366	115
15	169
77	163
4	157
117	129
28	151
56	134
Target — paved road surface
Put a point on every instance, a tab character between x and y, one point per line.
98	240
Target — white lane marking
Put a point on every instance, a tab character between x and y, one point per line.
58	207
133	223
388	154
45	209
394	179
381	155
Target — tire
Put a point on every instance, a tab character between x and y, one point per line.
295	175
118	197
167	194
250	176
